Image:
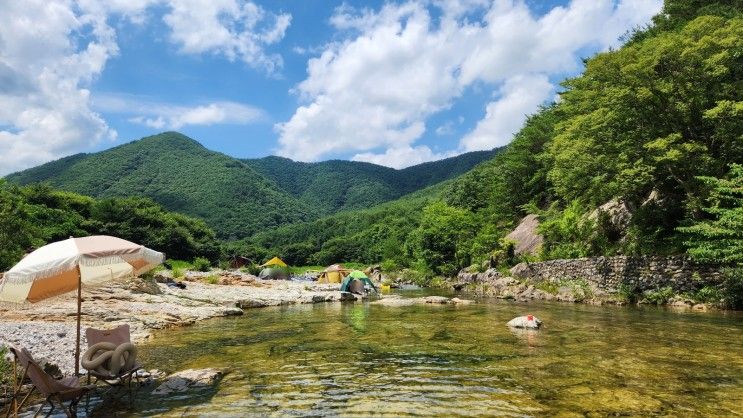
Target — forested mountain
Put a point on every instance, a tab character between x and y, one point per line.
183	176
332	186
237	197
650	128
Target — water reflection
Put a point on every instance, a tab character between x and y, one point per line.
361	360
529	336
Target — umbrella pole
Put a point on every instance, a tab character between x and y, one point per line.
79	308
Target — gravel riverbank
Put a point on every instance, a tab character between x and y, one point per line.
48	328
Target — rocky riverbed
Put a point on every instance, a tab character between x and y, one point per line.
48	328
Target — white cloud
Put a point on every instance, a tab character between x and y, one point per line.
235	29
446	128
519	97
399	65
158	115
49	53
400	157
375	90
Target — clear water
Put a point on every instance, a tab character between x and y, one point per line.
362	360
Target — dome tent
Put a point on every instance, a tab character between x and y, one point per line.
274	262
356	282
333	274
274	269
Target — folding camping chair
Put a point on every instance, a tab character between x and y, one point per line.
61	391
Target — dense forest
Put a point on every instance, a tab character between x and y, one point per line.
237	198
654	127
34	215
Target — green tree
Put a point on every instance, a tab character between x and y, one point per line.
720	238
17	231
442	241
567	233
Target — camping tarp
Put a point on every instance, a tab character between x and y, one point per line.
274	262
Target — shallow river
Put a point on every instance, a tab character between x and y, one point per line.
361	359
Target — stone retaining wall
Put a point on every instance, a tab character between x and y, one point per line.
608	273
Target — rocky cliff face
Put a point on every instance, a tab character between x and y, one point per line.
527	239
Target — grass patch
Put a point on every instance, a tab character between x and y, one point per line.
178	272
355	266
178	264
627	293
414	277
732	288
304	269
158	269
390	265
708	294
251	269
202	264
548	286
580	288
438	282
212	279
658	296
6	367
504	269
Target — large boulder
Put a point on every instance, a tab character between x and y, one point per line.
526	321
143	285
619	214
527	239
186	380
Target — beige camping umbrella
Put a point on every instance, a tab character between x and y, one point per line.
66	266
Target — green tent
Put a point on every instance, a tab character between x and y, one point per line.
354	276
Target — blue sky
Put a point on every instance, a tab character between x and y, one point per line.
394	83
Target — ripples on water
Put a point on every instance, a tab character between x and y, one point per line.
364	360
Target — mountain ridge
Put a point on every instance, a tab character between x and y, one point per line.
237	197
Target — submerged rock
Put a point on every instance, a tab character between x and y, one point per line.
436	299
700	307
397	300
458	301
186	380
526	321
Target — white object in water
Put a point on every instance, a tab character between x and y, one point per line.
526	321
